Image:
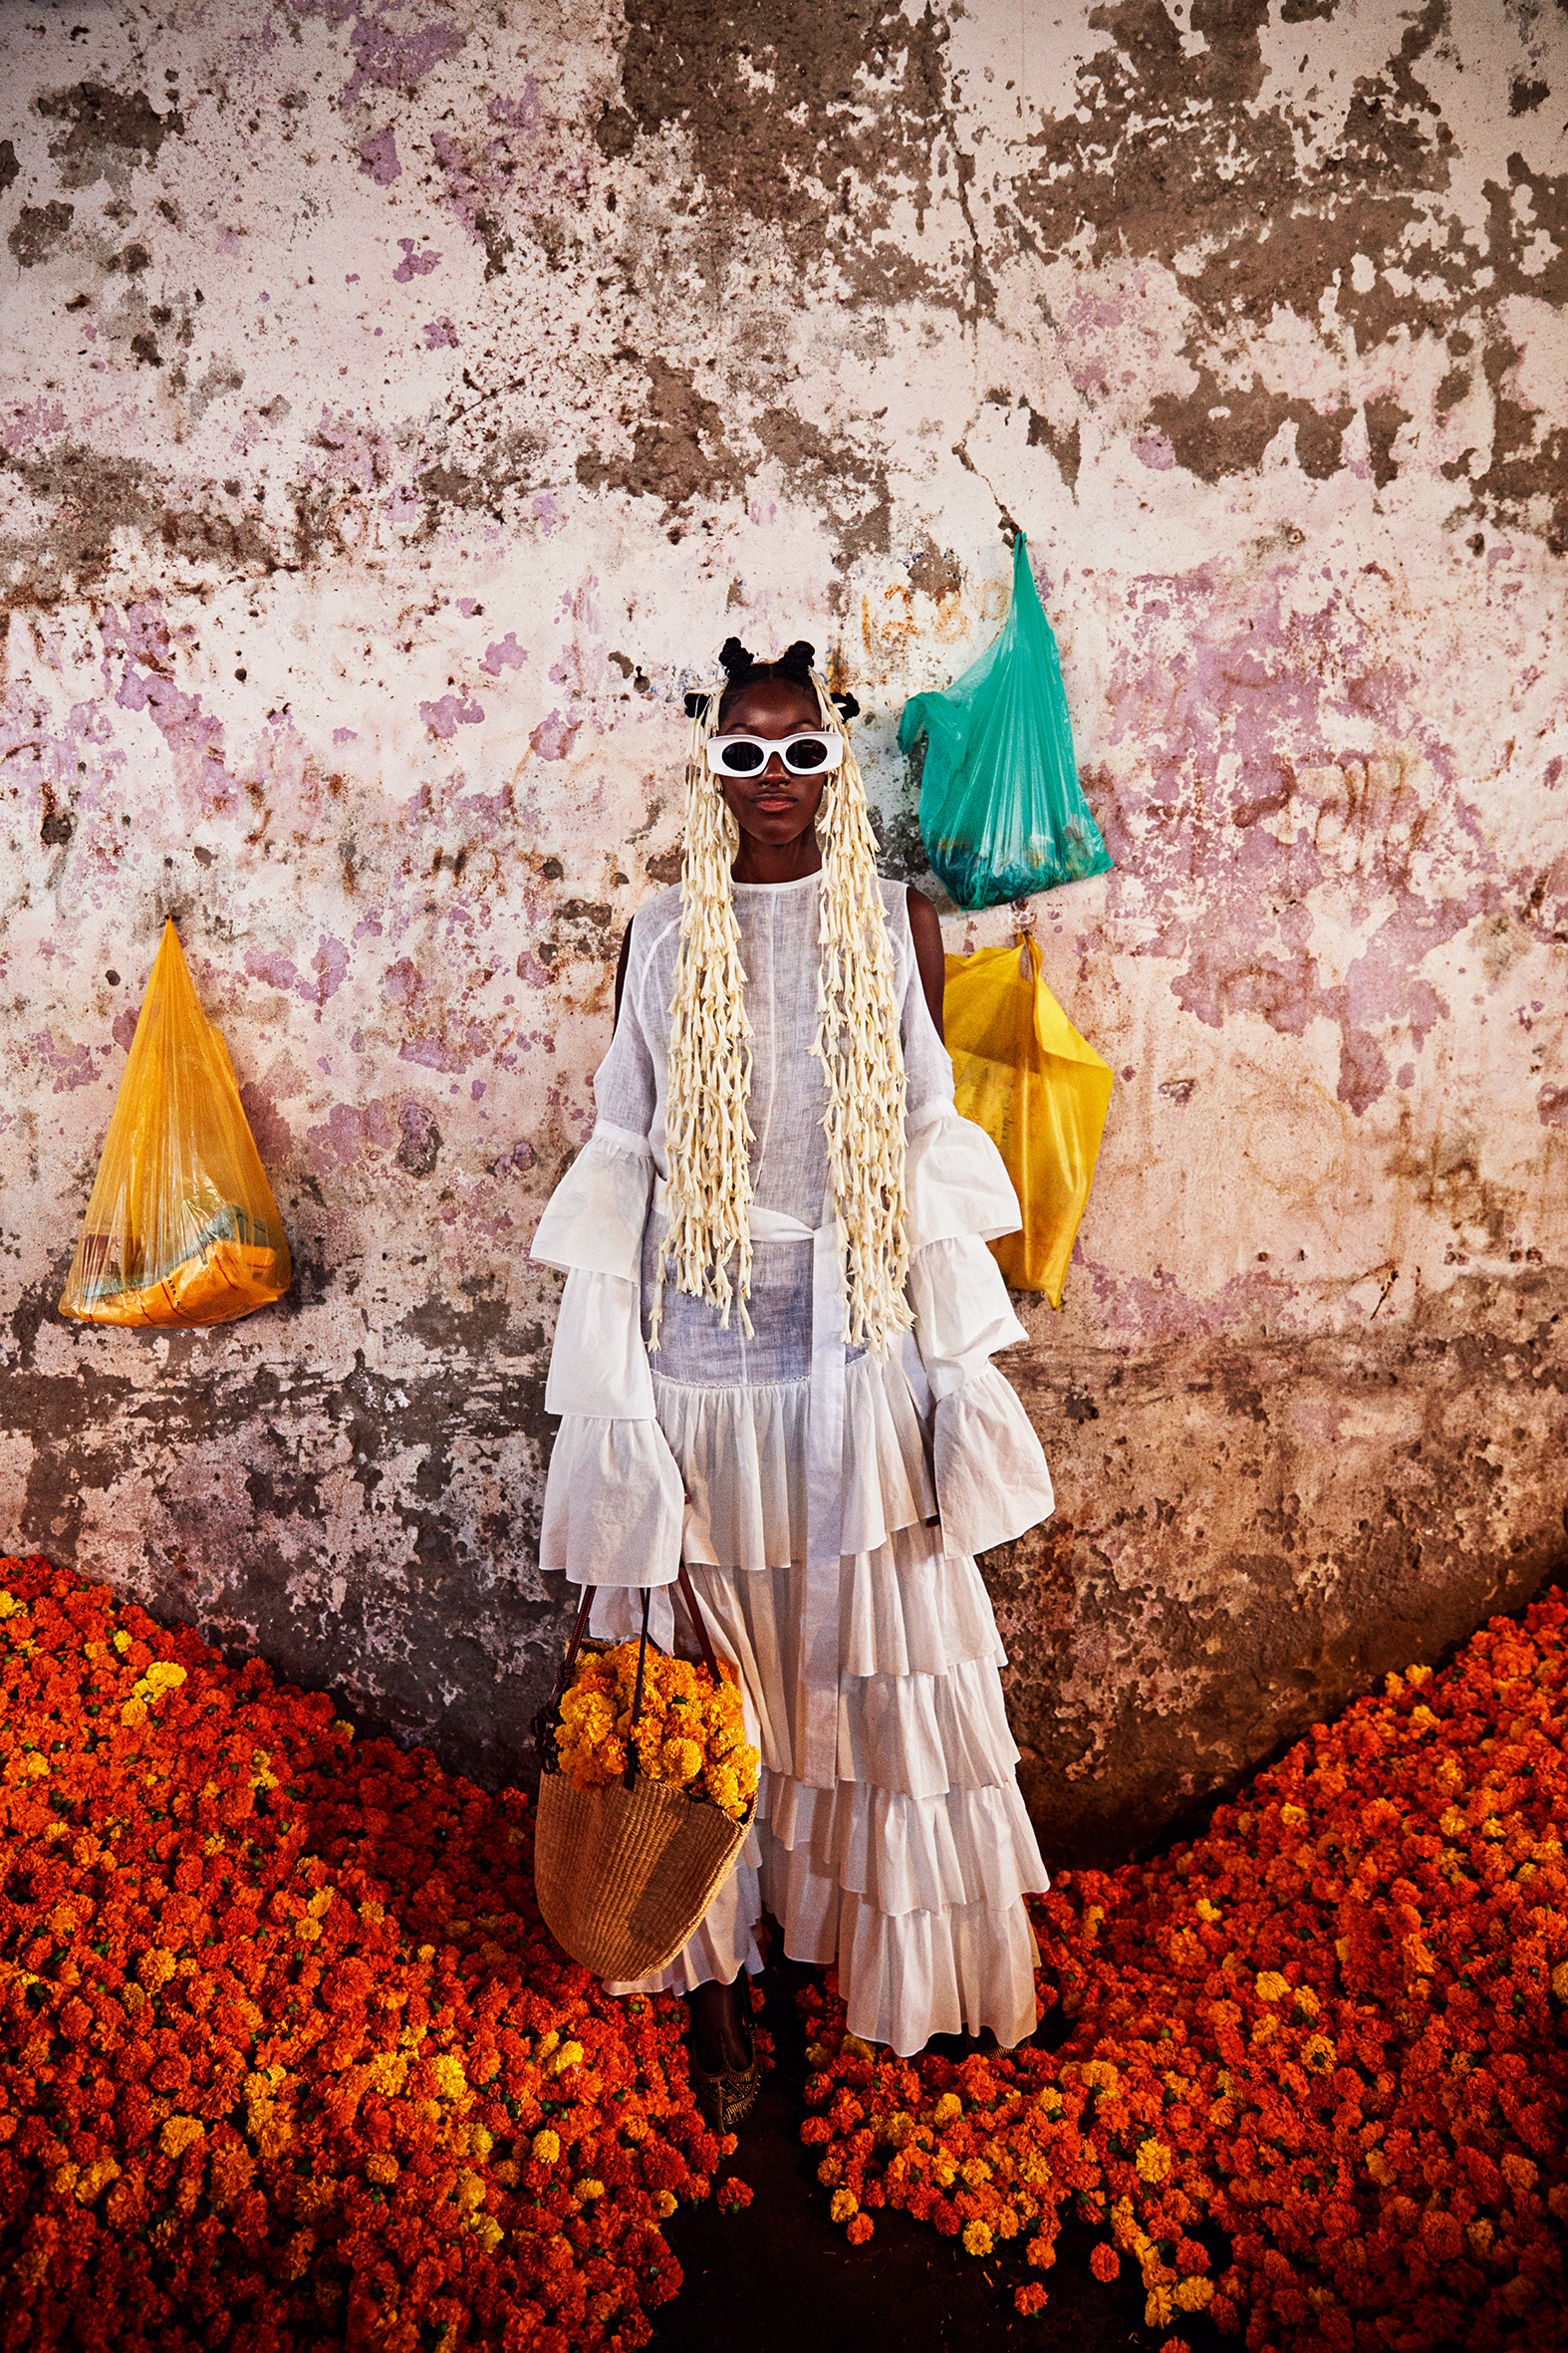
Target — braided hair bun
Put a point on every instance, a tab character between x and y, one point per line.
742	668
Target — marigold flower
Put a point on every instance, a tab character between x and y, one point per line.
947	2108
844	2203
977	2237
1152	2161
860	2229
546	2146
1029	2299
1104	2261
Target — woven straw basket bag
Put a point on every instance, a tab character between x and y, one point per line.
623	1874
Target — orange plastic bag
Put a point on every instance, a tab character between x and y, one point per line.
1023	1074
181	1227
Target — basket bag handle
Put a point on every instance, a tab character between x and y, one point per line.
578	1629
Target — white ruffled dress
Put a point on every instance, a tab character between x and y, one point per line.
828	1505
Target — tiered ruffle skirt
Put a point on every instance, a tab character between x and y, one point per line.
908	1873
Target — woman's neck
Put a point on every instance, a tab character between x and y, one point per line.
777	862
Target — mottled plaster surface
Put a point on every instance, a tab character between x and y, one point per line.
400	402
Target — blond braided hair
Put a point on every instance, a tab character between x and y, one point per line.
707	1131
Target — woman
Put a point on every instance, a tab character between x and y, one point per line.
773	1355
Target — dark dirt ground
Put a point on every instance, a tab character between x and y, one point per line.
779	2277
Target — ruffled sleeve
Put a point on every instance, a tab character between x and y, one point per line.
991	1477
614	1500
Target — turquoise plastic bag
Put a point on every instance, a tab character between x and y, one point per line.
1002	813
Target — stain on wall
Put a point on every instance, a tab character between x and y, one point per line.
402	405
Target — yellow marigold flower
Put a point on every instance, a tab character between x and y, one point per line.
10	1606
1292	1816
1451	1822
389	2073
682	1762
569	2055
587	2192
845	2204
1318	2053
1153	2160
122	1639
1101	2076
95	2178
1206	1910
977	2237
1560	1981
1193	2295
450	2081
489	2234
944	2172
471	2190
546	2146
382	2169
156	1968
178	2132
1271	1987
975	2171
664	2205
1306	2003
1157	2308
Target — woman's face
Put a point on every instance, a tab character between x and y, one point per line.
773	808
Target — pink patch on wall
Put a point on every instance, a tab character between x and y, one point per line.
508	654
553	738
379	157
413	265
444	719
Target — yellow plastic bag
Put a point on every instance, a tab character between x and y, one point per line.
1023	1074
181	1227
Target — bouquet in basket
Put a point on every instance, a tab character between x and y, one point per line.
690	1734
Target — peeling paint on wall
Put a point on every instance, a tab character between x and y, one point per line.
401	402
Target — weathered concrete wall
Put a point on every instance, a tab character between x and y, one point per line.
401	397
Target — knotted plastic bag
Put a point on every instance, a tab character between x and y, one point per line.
1002	813
1022	1073
181	1226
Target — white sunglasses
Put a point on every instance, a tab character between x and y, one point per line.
748	755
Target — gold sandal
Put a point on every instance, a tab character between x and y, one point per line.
726	2098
